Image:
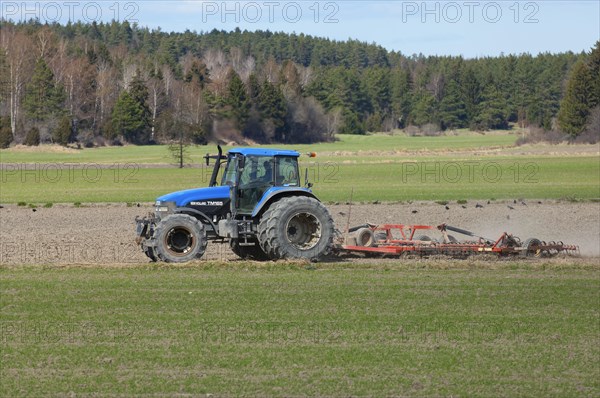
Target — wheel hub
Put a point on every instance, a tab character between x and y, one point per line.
179	241
303	231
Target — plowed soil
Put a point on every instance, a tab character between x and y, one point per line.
104	234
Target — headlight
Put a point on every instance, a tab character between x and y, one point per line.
164	207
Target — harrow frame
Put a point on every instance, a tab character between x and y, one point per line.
399	239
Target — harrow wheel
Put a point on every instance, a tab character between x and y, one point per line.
424	238
365	237
533	249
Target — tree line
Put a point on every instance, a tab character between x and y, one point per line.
115	82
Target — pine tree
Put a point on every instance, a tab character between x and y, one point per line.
401	96
352	124
452	112
128	118
424	110
493	111
63	133
237	99
6	135
594	66
33	137
524	95
179	151
253	88
377	82
43	99
471	92
576	104
546	96
354	93
272	106
198	74
131	114
139	92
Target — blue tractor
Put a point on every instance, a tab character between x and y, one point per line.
259	207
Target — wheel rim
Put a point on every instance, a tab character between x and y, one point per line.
179	241
303	231
533	248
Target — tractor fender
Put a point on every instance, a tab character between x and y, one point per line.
276	193
198	214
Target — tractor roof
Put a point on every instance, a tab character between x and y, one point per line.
263	152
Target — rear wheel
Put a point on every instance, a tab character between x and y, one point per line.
296	227
179	238
248	252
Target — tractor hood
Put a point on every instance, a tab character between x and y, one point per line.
183	198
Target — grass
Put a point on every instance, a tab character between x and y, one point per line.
159	154
543	177
283	330
442	180
425	168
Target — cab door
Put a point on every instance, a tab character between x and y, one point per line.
256	178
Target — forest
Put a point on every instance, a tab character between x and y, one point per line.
115	83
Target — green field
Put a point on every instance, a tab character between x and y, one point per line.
476	178
292	330
346	143
379	167
410	328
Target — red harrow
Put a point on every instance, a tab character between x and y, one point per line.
398	240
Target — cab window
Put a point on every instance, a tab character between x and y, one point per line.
287	172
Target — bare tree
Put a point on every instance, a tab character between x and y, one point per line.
217	64
156	90
78	76
129	72
436	86
187	62
19	56
45	39
271	71
196	107
334	121
306	75
106	92
168	79
60	61
242	65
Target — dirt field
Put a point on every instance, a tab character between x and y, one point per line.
104	234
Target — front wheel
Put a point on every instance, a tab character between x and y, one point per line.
179	238
296	227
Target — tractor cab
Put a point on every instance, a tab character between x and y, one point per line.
252	173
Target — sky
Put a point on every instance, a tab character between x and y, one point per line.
467	28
